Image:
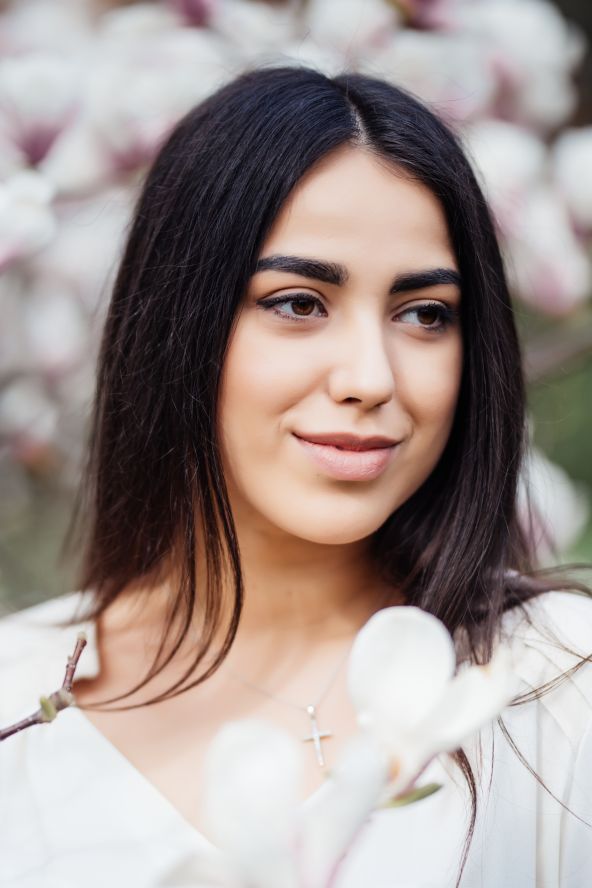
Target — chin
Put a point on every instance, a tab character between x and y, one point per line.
336	529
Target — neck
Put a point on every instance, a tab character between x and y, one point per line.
301	587
296	592
294	587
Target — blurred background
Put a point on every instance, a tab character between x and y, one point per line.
89	89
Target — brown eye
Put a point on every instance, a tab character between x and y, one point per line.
428	315
294	308
434	317
303	307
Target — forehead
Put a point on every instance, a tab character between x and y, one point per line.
356	204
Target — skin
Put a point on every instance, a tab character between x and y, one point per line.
362	361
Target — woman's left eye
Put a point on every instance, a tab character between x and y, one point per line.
434	317
431	316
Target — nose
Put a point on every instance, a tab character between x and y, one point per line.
361	370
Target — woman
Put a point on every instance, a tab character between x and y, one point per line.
309	406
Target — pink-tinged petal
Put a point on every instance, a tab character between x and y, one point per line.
352	26
195	12
27	219
399	666
473	698
572	172
78	164
335	816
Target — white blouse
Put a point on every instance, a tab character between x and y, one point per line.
74	813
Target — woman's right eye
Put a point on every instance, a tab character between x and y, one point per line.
303	306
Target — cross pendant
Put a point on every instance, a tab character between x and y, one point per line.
316	735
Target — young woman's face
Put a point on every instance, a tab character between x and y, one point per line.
350	326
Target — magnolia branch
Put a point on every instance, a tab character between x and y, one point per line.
60	699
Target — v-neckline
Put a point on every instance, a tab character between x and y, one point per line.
158	797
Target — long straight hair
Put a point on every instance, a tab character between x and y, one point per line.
456	547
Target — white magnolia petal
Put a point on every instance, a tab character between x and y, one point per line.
534	48
573	173
77	164
253	772
331	822
351	25
40	89
399	664
549	266
474	697
27	220
509	161
446	68
252	27
199	869
562	506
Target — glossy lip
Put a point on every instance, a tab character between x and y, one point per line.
347	441
349	465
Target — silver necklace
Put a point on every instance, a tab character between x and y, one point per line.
316	735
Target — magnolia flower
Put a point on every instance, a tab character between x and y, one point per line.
253	772
263	835
430	13
27	221
253	810
447	70
72	264
195	12
403	686
39	97
410	708
560	507
62	26
533	51
353	27
144	83
548	265
12	159
251	27
572	169
509	162
56	330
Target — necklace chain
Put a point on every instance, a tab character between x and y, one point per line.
316	734
290	703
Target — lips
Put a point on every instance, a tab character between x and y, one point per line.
347	441
347	457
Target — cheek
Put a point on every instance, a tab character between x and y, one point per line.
428	385
260	378
261	381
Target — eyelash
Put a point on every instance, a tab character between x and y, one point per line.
447	314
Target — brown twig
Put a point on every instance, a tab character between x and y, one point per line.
60	699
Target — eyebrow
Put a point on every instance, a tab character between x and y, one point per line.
337	274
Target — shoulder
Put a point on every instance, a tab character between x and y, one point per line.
557	624
35	644
551	647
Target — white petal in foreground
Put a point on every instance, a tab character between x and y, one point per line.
331	823
399	666
253	772
266	835
402	683
472	699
